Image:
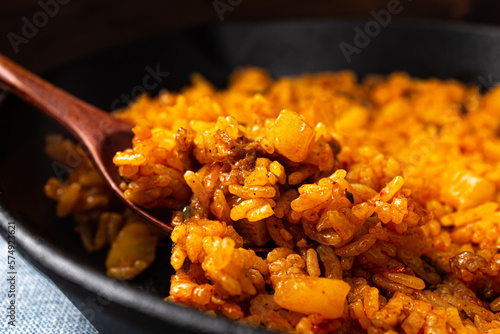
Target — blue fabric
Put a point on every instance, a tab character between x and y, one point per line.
41	307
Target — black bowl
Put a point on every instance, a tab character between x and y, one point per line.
111	78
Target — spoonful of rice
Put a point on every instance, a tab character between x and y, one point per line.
100	134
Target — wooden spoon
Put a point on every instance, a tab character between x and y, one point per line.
101	134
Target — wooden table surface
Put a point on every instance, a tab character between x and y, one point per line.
80	27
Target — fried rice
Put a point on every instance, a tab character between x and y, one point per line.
314	203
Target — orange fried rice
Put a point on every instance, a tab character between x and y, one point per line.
313	204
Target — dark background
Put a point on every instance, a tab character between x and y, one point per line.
82	27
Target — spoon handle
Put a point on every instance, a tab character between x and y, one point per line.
89	124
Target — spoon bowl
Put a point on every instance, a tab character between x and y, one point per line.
100	134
